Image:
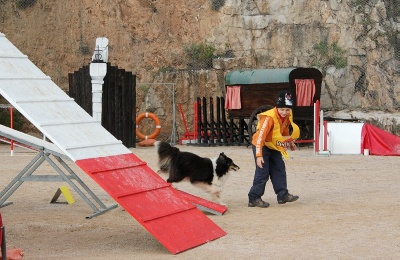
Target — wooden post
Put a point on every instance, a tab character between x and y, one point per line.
195	119
205	122
212	134
218	121
231	130
224	130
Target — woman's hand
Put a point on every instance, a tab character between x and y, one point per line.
259	161
293	146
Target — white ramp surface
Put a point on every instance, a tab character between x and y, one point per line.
50	109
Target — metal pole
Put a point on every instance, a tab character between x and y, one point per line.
11	126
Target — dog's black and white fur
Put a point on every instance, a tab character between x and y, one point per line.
207	174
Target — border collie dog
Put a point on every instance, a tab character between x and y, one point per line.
207	174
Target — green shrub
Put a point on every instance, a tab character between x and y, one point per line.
329	54
199	55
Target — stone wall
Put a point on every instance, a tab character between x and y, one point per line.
146	37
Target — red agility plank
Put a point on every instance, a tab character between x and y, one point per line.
203	204
185	230
167	215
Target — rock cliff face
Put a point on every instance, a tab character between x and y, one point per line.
147	37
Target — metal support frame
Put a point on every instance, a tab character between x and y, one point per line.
27	175
172	90
66	174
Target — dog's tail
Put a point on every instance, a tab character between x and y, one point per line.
157	144
166	155
164	149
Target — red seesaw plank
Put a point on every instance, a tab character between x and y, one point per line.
204	204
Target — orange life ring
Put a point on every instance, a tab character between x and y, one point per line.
156	121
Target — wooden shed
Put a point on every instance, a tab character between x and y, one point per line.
252	91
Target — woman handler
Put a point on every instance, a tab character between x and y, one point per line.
269	146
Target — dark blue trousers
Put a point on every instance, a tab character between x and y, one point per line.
274	168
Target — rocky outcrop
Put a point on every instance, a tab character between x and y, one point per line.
147	38
282	34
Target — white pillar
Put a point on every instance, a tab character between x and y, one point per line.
98	70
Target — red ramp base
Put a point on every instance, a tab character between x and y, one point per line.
153	202
204	205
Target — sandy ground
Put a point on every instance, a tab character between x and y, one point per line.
349	208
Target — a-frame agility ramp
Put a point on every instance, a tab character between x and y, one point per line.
153	202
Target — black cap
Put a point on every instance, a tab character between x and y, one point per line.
284	99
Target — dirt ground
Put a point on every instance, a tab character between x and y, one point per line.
349	208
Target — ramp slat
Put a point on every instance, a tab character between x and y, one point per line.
102	164
69	122
125	194
80	146
44	100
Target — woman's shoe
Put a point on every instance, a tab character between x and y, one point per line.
258	203
288	198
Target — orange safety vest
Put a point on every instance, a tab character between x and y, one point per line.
278	141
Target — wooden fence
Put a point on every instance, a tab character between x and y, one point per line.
118	100
213	128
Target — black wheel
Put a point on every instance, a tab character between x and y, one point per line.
252	125
306	129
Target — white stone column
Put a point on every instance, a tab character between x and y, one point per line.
97	71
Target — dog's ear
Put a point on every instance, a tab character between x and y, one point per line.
222	156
